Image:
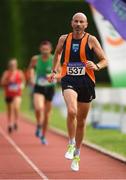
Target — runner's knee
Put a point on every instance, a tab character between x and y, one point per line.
39	108
17	102
72	112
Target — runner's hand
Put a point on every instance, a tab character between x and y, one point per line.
51	77
91	65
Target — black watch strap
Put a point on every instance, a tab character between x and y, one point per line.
97	66
53	71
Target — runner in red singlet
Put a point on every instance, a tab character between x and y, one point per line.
12	81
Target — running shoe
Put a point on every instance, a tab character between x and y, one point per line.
38	132
70	151
75	163
44	140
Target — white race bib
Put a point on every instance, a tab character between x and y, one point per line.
42	81
76	69
13	87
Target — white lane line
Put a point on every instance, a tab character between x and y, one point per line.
23	155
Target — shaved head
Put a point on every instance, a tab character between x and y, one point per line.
79	23
81	15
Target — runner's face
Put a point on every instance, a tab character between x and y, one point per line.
13	65
45	49
79	24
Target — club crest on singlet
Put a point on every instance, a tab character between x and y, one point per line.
75	47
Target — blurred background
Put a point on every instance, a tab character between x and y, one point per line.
25	23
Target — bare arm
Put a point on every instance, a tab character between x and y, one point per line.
4	80
58	52
57	57
22	76
22	79
31	69
95	45
33	62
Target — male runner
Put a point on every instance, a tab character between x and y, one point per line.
78	80
40	68
12	81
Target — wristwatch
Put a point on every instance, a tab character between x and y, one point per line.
53	71
98	67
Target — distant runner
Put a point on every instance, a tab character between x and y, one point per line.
40	68
13	81
78	80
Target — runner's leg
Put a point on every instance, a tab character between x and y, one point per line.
82	112
10	116
70	97
83	109
48	107
39	107
39	101
16	104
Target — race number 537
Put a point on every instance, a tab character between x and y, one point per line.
76	70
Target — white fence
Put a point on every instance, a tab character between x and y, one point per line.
108	109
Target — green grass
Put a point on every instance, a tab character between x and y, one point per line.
110	139
2	104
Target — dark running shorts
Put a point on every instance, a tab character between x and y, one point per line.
9	100
47	91
83	85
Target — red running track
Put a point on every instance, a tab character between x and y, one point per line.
23	157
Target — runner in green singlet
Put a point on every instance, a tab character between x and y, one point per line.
40	67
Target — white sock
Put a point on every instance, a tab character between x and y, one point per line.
72	141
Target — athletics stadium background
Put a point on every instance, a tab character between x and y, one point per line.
25	23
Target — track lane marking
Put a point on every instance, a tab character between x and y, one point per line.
23	155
